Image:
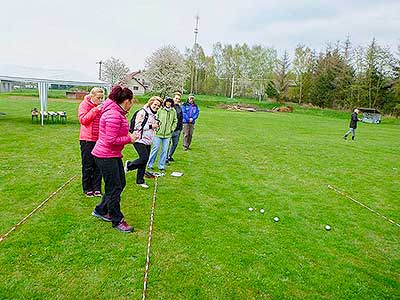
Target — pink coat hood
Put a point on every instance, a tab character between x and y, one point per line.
114	131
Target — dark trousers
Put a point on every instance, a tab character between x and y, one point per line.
113	173
140	163
91	175
187	134
174	142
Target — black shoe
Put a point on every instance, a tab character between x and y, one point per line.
345	137
171	159
105	217
148	174
352	138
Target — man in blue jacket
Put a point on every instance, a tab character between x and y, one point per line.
190	113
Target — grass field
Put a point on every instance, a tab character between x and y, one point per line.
206	243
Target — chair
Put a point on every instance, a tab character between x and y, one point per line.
53	115
35	114
62	115
45	116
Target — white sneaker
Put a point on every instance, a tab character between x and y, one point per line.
126	166
143	185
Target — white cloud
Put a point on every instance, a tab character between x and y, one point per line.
75	34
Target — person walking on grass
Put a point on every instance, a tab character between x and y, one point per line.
190	114
353	124
113	136
177	132
143	124
168	120
89	118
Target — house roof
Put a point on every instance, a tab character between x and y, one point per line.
132	76
369	110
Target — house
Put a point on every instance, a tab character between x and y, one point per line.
78	95
139	83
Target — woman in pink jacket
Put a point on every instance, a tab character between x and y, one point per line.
89	117
113	136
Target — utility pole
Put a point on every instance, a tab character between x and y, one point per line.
100	62
233	85
196	31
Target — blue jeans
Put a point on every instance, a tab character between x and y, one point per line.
157	142
174	142
352	131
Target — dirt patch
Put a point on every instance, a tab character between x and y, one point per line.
239	107
63	100
253	108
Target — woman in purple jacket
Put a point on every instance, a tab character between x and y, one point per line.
113	136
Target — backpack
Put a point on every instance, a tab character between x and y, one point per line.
133	121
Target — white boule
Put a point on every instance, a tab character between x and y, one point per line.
327	227
262	210
251	209
276	219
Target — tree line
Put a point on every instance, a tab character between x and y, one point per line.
341	76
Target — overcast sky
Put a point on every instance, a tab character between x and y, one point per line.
75	34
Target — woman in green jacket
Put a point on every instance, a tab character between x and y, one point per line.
167	123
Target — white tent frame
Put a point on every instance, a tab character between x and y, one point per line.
43	87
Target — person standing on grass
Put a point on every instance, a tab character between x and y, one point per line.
190	114
143	125
353	124
177	132
168	120
113	136
89	118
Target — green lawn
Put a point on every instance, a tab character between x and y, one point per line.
206	243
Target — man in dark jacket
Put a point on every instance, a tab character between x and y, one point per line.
176	134
353	124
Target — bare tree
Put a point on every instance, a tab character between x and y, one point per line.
115	72
379	62
166	70
301	65
262	62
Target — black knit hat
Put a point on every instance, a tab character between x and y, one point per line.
169	99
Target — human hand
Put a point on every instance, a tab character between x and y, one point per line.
155	125
134	137
190	120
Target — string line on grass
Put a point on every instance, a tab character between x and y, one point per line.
363	205
3	237
146	272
